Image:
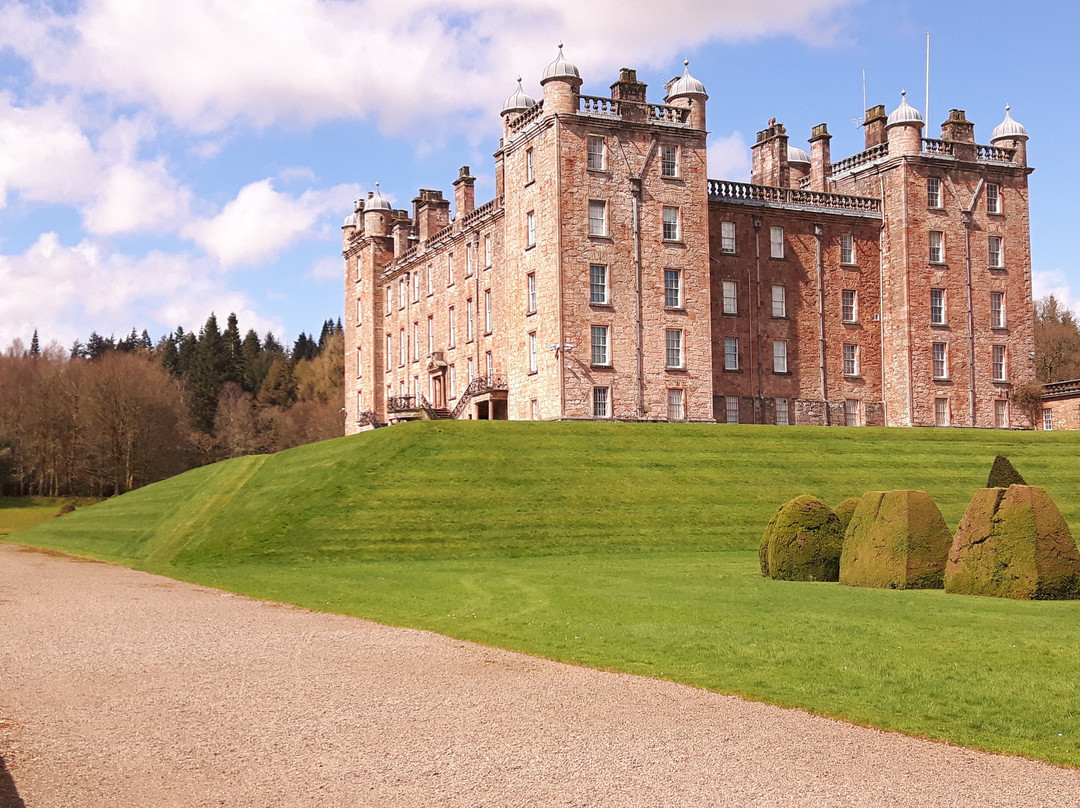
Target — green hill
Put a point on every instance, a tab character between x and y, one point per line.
630	547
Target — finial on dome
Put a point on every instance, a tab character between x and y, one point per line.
1008	128
685	85
686	63
905	113
560	68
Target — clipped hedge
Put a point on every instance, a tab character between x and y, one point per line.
896	540
1014	543
802	542
1003	474
845	510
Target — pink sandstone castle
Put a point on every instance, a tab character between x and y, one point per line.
609	278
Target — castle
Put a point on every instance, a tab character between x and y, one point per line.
610	278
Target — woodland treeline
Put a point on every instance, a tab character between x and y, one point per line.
111	415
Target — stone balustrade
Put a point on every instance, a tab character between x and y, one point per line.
860	159
727	191
995	154
939	148
598	105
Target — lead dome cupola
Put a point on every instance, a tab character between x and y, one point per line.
520	101
376	201
905	113
560	68
1009	127
797	155
686	85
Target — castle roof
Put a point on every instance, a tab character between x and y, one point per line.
560	68
376	201
519	101
797	155
685	85
1009	127
905	113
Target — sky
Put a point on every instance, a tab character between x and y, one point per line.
160	161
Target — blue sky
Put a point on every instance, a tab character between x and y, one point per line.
159	161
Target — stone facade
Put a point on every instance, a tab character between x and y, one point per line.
1060	406
610	278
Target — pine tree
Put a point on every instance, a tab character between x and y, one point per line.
35	346
279	387
251	352
207	374
235	371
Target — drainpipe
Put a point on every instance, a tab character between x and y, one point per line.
558	274
819	238
639	347
881	297
969	224
755	346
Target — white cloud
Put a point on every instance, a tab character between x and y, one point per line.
261	222
729	157
65	292
205	63
1055	282
329	268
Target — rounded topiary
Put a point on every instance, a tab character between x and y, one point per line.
845	510
896	540
1014	543
802	542
67	507
1003	474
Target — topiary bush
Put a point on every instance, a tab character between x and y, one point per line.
896	540
845	510
1014	543
802	542
1003	474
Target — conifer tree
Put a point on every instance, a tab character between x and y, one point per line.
251	353
235	372
35	346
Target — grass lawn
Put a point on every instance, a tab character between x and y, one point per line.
631	547
17	513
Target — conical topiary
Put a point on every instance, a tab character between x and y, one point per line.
1014	543
896	540
845	510
802	542
1003	474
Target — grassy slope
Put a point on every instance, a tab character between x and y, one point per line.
630	547
19	513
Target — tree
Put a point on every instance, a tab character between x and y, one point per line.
279	387
208	373
1057	342
235	371
35	346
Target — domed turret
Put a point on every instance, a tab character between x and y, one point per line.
355	218
560	69
377	212
686	86
905	113
797	155
519	102
376	201
1008	128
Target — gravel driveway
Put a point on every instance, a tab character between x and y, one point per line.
119	688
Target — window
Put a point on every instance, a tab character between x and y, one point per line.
450	269
731	297
469	370
776	242
671	223
469	320
937	307
1048	419
530	229
360	401
941	412
415	286
530	293
849	305
1001	414
487	251
847	249
600	353
489	367
389	351
451	328
416	341
779	356
359	362
598	285
674	348
359	312
851	360
782	417
672	288
403	349
403	292
430	279
731	409
779	300
452	378
597	217
999	368
727	237
996	260
601	402
487	311
596	154
731	353
937	247
669	161
675	410
469	259
431	334
993	198
529	175
389	300
532	352
933	192
940	357
534	410
851	412
997	309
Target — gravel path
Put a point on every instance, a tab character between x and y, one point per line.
127	689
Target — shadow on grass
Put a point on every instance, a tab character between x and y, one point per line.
9	795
